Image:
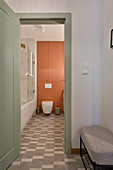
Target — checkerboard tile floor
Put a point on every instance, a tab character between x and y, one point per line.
42	146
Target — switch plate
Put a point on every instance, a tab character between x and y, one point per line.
85	68
48	86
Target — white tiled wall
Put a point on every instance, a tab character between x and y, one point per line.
30	43
29	108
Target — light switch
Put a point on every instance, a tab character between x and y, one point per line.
48	86
85	68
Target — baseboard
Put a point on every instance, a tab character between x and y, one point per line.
76	150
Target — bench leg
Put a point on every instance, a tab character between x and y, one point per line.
94	167
80	147
82	153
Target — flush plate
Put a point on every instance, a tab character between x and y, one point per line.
48	86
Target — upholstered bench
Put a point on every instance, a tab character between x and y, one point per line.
98	144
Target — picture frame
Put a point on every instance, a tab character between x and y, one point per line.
111	42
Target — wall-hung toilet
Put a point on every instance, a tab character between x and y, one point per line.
47	106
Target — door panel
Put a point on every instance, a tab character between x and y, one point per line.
9	86
56	61
42	61
6	84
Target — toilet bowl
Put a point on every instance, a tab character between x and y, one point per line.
47	106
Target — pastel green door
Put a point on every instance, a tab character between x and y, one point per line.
9	86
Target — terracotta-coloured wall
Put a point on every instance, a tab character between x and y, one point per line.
50	70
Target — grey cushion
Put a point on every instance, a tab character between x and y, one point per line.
99	144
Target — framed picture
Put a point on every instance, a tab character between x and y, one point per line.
111	43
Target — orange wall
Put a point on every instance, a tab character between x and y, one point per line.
54	94
50	69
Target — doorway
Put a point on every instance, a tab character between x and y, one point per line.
42	71
63	18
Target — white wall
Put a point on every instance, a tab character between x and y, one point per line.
51	32
86	47
107	90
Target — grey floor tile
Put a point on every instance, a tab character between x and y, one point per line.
39	152
42	140
59	167
36	136
67	166
24	166
59	157
28	154
47	168
32	146
49	145
37	163
48	160
69	156
26	140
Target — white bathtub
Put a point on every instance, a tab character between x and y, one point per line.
27	111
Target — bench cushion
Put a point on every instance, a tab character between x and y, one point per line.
99	144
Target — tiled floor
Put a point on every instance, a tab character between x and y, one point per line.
42	146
